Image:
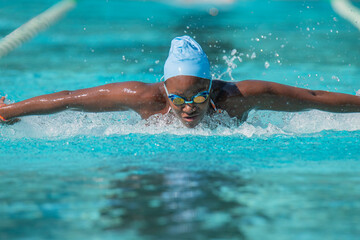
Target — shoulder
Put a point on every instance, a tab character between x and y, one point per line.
224	93
224	89
130	86
135	88
147	98
229	95
253	87
136	95
249	88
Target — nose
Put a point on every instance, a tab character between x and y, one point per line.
189	108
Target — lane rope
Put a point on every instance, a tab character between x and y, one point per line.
348	11
37	24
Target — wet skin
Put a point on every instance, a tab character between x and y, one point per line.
236	98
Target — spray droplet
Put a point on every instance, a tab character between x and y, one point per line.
335	78
267	64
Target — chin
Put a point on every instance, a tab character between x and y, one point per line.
191	124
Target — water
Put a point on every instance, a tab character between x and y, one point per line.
116	176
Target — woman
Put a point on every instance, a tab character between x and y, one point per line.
188	91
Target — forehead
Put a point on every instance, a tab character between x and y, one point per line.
187	84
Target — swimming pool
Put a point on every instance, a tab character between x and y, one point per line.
78	175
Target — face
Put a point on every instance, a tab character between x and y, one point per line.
190	114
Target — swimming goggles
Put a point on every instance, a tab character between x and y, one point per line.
198	98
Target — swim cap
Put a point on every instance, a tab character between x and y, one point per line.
186	57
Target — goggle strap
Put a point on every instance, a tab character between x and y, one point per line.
167	93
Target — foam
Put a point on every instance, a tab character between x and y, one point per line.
260	124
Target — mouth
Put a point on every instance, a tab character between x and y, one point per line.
190	118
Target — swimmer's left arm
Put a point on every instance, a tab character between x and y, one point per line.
264	95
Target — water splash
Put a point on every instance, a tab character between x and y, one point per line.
231	64
260	124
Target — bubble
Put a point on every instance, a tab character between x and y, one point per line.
213	12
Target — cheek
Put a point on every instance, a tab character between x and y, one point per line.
175	109
203	107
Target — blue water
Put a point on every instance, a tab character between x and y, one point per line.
116	176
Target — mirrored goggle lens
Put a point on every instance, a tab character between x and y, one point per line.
178	101
200	99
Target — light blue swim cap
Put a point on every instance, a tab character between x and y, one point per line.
186	57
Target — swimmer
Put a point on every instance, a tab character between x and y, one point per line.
188	91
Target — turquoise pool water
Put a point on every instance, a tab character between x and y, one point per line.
280	175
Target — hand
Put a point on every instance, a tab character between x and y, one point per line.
11	121
2	103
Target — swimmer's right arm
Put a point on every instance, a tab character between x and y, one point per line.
110	97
